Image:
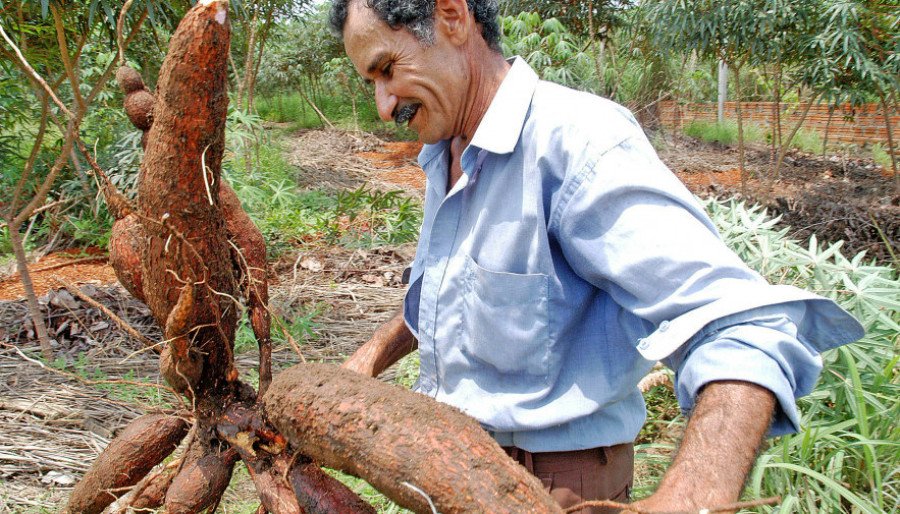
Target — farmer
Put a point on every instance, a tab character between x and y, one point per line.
559	259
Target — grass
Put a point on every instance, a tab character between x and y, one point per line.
287	216
292	108
301	328
132	393
809	141
724	133
881	156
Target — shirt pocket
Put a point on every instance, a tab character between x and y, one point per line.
505	321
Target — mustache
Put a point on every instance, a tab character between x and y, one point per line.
405	113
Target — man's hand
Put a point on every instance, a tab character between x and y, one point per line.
717	452
389	344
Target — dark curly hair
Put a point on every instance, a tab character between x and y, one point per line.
417	16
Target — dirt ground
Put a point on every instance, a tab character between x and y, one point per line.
834	197
55	422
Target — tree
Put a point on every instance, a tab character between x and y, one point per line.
54	38
578	15
257	20
738	32
299	55
549	48
852	55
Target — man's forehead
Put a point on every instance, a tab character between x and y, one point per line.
367	38
359	13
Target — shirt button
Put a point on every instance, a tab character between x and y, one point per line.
643	344
663	326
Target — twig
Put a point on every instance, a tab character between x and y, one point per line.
35	150
609	504
887	242
34	75
50	206
73	262
72	288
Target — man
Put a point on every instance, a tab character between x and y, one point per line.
559	259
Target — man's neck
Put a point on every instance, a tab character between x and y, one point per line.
487	69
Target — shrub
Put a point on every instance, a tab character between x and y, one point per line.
846	453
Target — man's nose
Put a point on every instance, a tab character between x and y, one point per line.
385	101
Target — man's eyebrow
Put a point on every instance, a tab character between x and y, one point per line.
376	62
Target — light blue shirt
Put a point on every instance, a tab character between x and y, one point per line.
568	259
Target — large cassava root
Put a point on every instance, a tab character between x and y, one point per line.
392	437
189	251
143	444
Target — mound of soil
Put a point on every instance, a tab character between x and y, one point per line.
836	198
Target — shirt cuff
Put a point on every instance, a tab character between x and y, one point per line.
763	352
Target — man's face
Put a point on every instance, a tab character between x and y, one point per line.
422	86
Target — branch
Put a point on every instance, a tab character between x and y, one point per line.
29	164
41	194
120	24
72	288
64	54
23	64
116	202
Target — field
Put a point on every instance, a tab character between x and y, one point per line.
334	283
154	137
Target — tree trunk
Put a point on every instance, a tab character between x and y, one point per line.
723	91
740	127
779	78
785	144
827	129
263	38
890	135
598	55
34	308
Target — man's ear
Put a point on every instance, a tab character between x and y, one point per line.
451	17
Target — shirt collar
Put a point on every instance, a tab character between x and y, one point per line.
502	124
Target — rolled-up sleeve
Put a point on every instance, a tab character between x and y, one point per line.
761	346
631	229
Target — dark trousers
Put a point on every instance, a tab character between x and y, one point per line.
577	476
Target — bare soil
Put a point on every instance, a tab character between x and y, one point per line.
835	198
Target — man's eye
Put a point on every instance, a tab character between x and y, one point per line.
386	71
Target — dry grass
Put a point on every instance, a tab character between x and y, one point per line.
344	160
